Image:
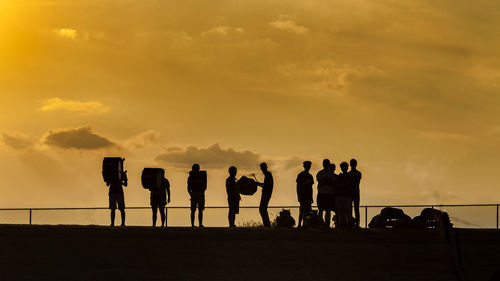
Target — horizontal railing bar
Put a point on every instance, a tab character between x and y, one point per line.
249	207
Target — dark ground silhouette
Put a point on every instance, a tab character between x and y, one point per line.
146	253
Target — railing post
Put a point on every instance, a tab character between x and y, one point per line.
30	216
497	216
366	216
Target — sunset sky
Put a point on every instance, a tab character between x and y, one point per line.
409	88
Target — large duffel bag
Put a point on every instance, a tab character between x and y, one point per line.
112	169
152	178
247	186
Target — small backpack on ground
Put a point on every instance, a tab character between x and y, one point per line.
312	219
432	218
112	169
246	186
391	218
152	178
285	219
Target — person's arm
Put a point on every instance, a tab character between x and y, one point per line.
168	190
189	185
124	178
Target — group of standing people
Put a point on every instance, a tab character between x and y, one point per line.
336	193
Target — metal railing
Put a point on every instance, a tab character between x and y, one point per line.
366	208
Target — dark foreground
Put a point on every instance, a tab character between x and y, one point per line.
141	253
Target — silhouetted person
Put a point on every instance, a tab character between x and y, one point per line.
159	200
116	197
197	184
233	196
355	179
305	183
326	180
343	197
267	191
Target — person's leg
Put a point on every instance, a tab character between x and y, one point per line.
231	216
200	217
192	217
301	217
154	208
264	202
122	211
356	210
193	210
328	217
162	215
112	217
201	207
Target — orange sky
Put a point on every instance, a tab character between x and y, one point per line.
409	88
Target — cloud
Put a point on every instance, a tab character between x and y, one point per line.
143	139
223	31
77	138
285	24
444	136
54	104
210	157
67	33
326	75
17	140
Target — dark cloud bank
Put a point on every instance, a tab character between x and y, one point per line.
210	157
77	138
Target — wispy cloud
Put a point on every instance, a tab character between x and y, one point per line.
17	140
55	104
67	32
285	24
444	136
223	31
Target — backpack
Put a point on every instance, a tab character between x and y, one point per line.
152	178
112	169
197	182
246	186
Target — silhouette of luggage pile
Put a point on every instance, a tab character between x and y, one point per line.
247	186
112	169
391	218
285	219
312	219
152	178
432	218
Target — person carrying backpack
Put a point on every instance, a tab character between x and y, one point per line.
196	186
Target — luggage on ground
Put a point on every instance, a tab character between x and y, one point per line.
285	219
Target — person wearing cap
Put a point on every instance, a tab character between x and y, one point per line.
305	182
267	191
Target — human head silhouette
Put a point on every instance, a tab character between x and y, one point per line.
354	164
196	168
344	166
326	164
333	167
232	171
307	166
263	166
